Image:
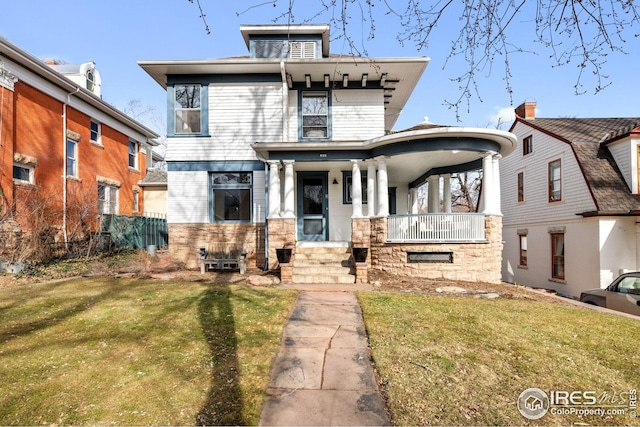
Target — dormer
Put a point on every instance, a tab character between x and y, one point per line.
286	41
86	74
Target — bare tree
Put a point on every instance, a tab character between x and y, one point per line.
152	118
580	32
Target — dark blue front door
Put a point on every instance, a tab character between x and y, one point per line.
313	208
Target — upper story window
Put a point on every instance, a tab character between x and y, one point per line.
187	107
314	111
96	132
520	186
133	154
72	158
555	181
527	145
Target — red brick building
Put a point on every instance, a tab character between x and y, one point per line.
65	154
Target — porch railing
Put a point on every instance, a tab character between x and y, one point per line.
441	227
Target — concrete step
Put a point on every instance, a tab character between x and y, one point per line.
320	271
307	250
322	257
324	278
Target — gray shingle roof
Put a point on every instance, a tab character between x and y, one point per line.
589	138
155	176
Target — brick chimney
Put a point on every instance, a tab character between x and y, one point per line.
526	110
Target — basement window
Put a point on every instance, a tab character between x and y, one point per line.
430	257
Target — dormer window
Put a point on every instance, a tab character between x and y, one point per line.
91	80
302	50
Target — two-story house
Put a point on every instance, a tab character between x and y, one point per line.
294	145
65	154
571	201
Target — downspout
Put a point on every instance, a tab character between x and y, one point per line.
64	166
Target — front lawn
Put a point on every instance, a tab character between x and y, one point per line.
465	361
137	352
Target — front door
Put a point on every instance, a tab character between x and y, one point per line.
313	206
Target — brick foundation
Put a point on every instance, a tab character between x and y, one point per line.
185	241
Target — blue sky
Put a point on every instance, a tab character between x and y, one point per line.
117	33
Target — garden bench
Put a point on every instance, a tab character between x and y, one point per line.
223	256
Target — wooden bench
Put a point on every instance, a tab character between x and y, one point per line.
223	256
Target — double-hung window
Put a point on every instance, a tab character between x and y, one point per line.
347	188
107	199
188	108
555	181
133	154
557	256
23	173
523	250
231	196
72	158
96	132
314	113
520	186
527	145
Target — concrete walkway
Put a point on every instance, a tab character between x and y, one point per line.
323	374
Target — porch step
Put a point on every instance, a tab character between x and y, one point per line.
323	263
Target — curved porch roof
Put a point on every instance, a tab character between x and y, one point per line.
411	156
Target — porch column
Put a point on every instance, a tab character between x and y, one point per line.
371	188
274	189
356	190
288	189
446	193
413	194
487	184
434	194
496	185
383	188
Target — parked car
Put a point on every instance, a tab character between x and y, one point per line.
621	295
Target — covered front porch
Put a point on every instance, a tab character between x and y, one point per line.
367	194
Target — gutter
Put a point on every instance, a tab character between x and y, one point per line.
64	165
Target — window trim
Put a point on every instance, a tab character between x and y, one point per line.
555	235
73	159
133	156
527	145
107	202
233	186
204	110
550	182
520	186
301	136
30	169
523	259
346	181
97	132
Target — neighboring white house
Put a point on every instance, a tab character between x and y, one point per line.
570	201
292	144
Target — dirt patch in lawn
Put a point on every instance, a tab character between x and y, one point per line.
405	284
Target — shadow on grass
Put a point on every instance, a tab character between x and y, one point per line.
224	403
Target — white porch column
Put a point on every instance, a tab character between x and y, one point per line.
496	185
434	194
288	189
413	194
371	188
274	189
356	190
446	193
487	184
383	188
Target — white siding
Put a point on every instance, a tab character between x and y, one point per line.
188	198
239	115
576	197
618	240
357	114
259	194
339	213
625	153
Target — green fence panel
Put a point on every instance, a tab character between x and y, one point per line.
136	232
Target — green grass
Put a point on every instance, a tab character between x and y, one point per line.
465	361
137	352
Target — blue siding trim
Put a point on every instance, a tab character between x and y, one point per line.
215	166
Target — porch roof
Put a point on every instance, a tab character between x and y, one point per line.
411	156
